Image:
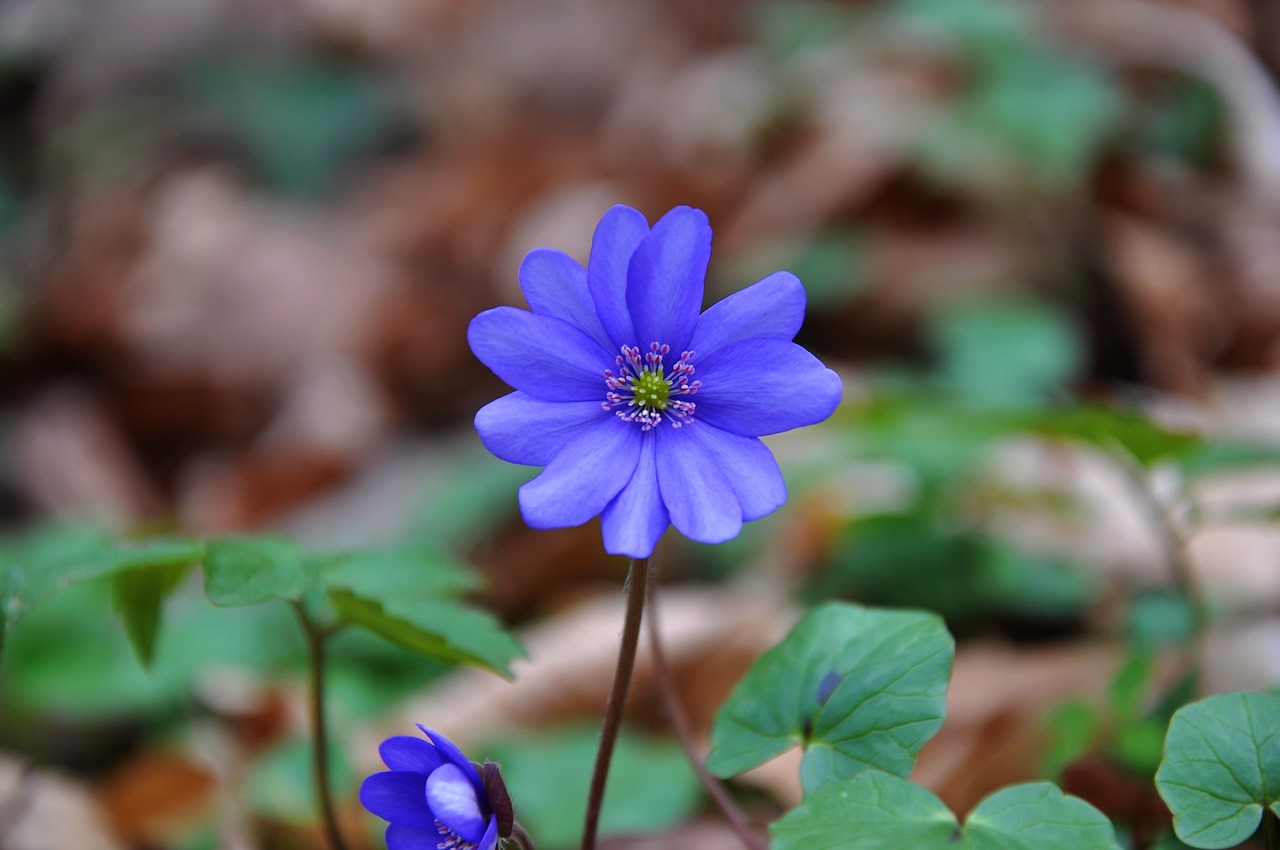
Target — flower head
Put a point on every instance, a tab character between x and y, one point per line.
433	797
641	410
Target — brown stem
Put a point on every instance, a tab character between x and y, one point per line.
316	638
684	731
637	579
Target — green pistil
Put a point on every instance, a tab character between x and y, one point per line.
650	389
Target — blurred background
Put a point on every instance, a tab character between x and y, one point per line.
240	242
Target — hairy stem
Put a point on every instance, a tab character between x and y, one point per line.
637	580
316	638
684	731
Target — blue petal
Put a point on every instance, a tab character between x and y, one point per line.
764	386
398	796
520	429
773	307
555	285
400	837
455	756
666	277
547	358
454	803
696	491
636	518
617	235
584	477
748	465
403	752
490	839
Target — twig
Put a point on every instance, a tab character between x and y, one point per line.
637	580
680	722
1171	539
316	638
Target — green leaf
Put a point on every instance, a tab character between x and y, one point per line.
1105	428
878	811
446	631
1221	768
138	596
1072	728
858	688
410	597
47	560
651	786
248	570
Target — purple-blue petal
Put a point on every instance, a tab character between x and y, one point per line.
455	756
584	477
403	752
546	357
490	839
555	285
619	232
454	802
521	429
749	466
399	797
695	490
636	518
773	307
756	387
401	837
666	277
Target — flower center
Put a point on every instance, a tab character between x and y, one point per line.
644	392
450	840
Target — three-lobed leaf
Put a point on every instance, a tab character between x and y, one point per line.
1221	768
856	687
879	811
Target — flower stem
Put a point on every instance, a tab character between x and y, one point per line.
684	731
316	638
637	580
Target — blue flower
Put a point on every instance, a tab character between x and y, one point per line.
641	410
434	798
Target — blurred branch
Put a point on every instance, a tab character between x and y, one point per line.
1139	32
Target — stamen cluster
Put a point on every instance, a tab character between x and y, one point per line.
450	840
644	390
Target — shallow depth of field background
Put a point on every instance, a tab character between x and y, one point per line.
240	242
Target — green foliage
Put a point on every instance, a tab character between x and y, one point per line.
67	659
138	596
857	688
879	811
1130	728
281	784
974	342
1029	115
248	570
651	786
408	596
1221	768
302	122
35	566
920	560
